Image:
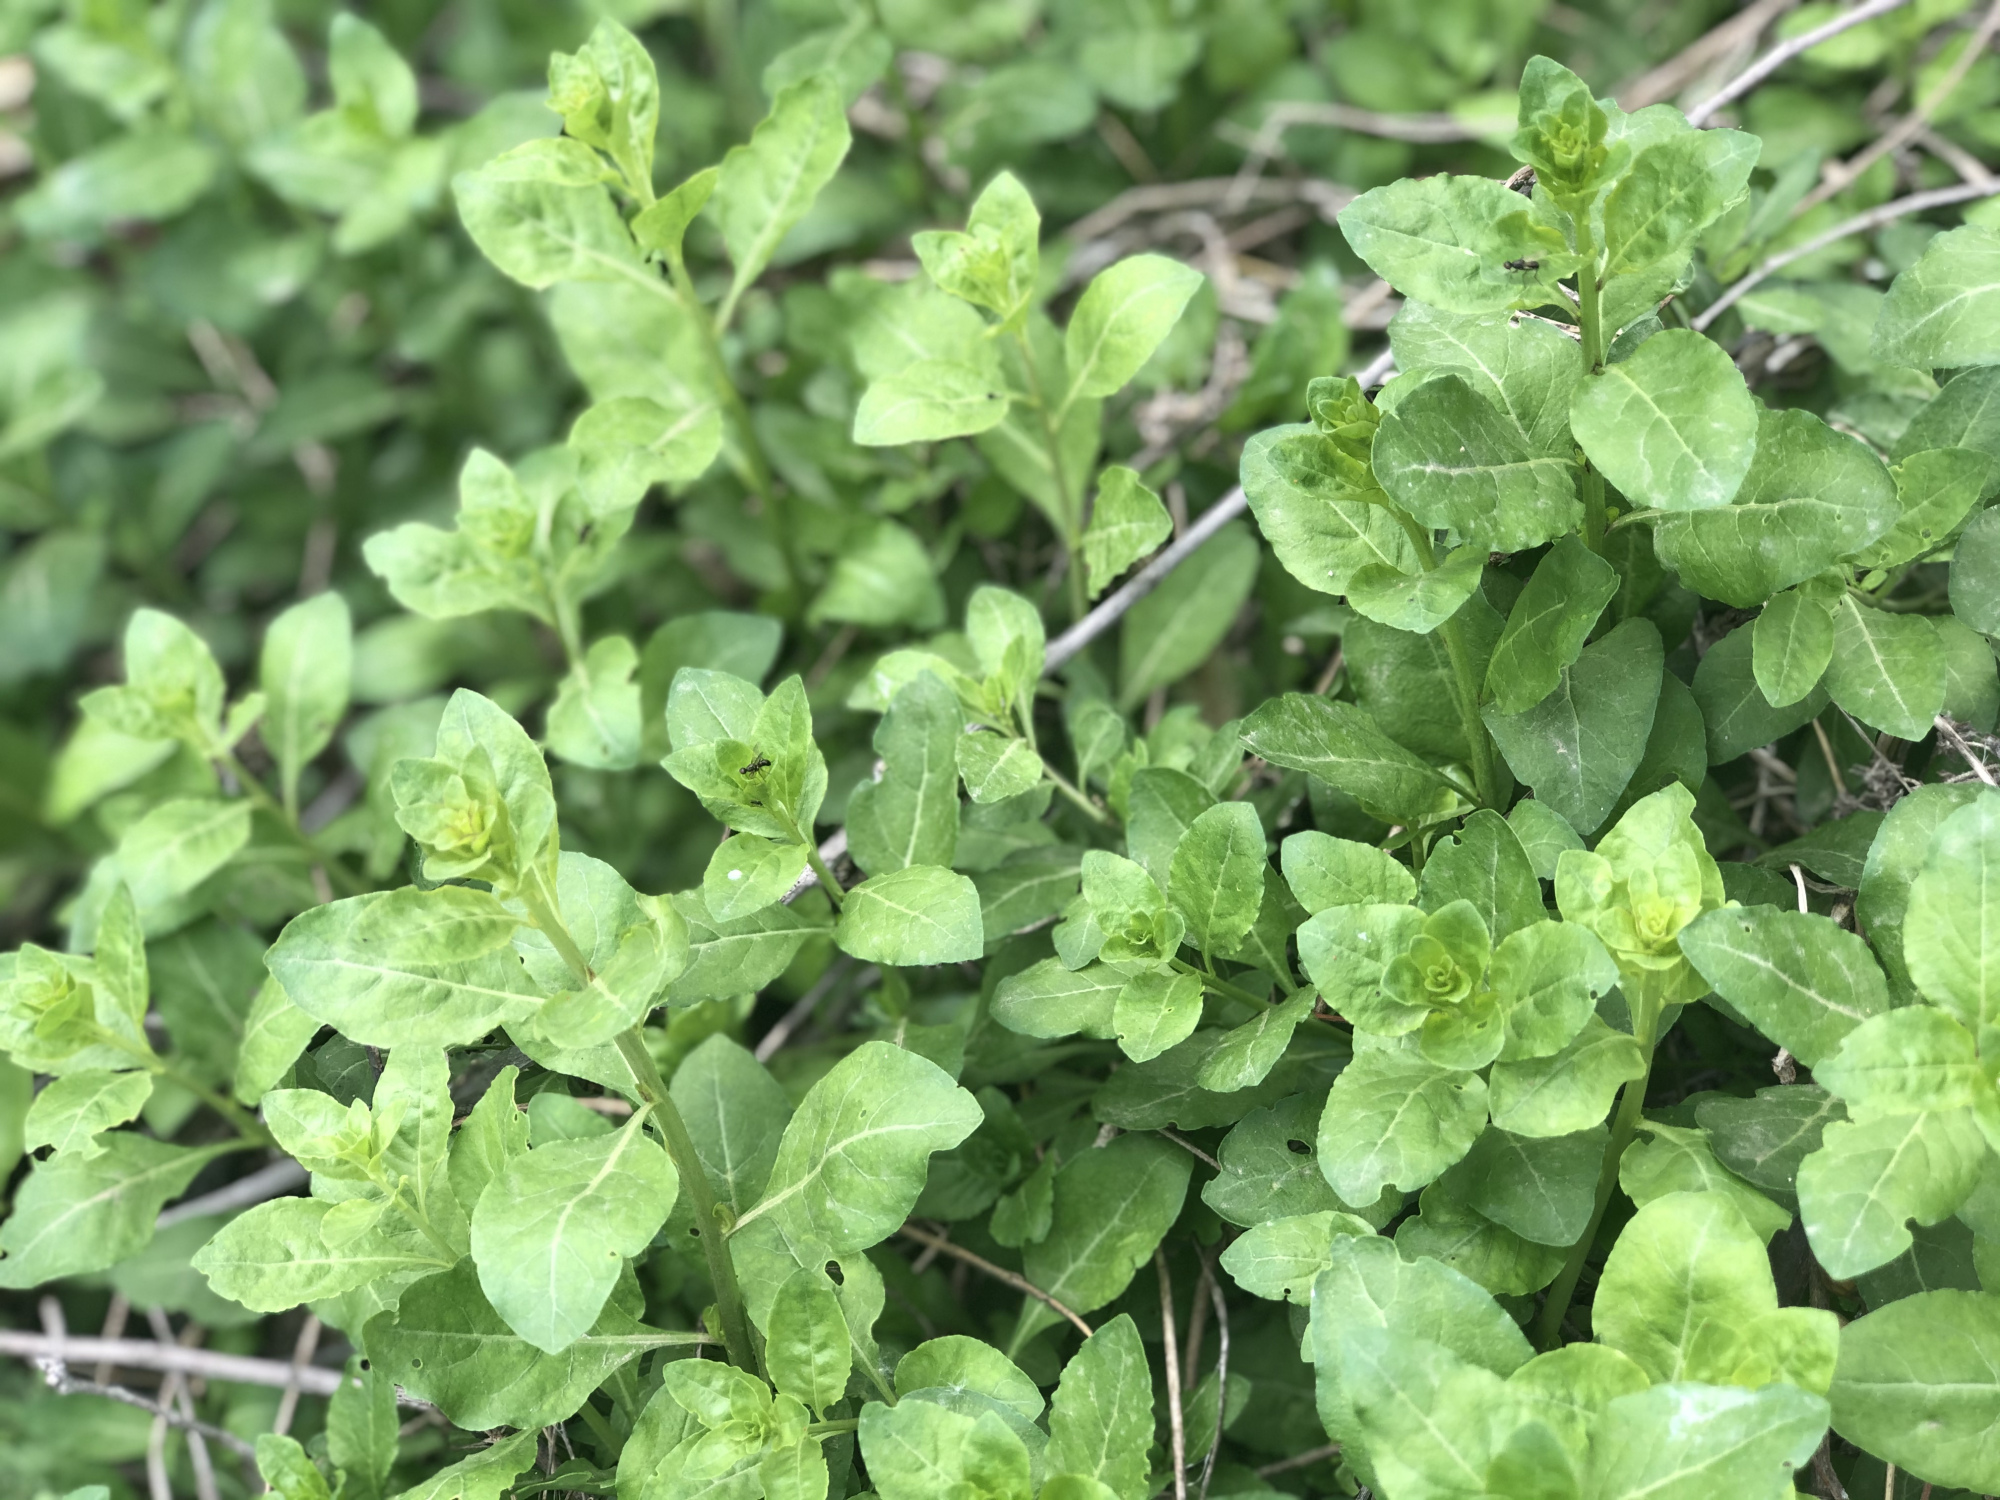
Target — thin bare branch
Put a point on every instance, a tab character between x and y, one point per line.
1221	1307
1840	175
1710	49
1176	1419
65	1384
1784	52
794	1018
999	1273
302	1353
1875	218
1303	1460
1191	1148
145	1354
1377	370
1949	732
274	1181
1142	583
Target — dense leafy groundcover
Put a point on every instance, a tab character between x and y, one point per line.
1484	983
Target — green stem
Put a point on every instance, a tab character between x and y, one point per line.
828	1429
694	1182
424	1226
1590	324
246	1123
287	819
1465	689
600	1429
1624	1125
819	867
1223	987
673	1129
542	911
1052	441
1069	789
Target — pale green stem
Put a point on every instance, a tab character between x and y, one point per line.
1590	324
1069	789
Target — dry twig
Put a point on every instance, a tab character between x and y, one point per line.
999	1273
1176	1420
1784	52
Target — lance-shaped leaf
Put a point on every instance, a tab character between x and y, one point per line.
806	1346
1802	979
854	1157
1951	932
1548	625
76	1214
275	1256
1417	602
1342	745
1673	426
1465	244
1569	1090
1579	746
1121	318
1126	523
552	1231
1888	670
446	1344
1216	877
305	672
910	816
406	967
1113	1205
72	1111
1791	644
767	184
1859	1191
540	224
1101	1420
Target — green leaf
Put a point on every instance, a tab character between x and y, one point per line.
910	815
447	1345
305	674
853	1158
806	1347
735	958
1935	490
154	175
993	264
1568	1090
1216	877
1120	319
1672	427
1325	871
1341	745
1975	573
928	402
1279	1258
72	1111
1127	521
1113	1205
1548	625
1543	834
1579	746
1101	1420
594	721
1673	1160
552	1230
539	228
1175	628
1156	1009
1525	367
1791	644
275	1256
1448	240
1450	459
1485	864
1951	931
767	185
1812	497
608	94
362	1430
1943	310
747	874
1734	711
286	1469
1887	669
1049	1000
996	766
1916	1386
1801	979
1322	527
1763	1139
1417	602
487	1475
1690	1442
371	82
405	967
1541	1188
178	845
1859	1191
1672	191
1346	950
956	1363
1395	1119
922	914
1904	1062
76	1214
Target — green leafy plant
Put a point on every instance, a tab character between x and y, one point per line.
675	841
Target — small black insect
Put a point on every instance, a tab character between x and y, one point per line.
1524	265
762	762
